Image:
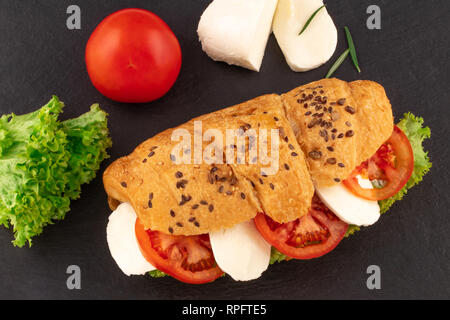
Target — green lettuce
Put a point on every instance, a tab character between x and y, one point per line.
44	162
157	274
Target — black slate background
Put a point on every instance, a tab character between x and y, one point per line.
409	56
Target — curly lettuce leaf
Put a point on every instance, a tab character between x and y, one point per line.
276	256
157	274
42	165
88	140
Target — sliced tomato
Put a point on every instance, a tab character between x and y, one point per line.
391	167
187	258
311	236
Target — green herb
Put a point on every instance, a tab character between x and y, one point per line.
43	163
412	126
310	19
276	256
338	63
157	274
351	46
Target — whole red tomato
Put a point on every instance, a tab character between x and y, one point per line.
133	56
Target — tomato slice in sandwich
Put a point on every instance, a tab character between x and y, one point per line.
311	236
391	167
187	258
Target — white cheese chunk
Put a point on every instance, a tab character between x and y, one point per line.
236	31
316	45
241	251
347	206
122	242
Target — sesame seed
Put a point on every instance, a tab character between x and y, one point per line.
173	158
170	229
331	149
172	213
211	208
342	101
184	199
272	186
179	224
315	155
337	180
151	154
340	136
350	110
150	204
286	166
179	174
242	195
203	202
144	161
123	184
192	219
291	147
348	124
341	165
221	189
331	160
261	181
349	133
294	154
276	119
181	184
195	206
196	224
150	196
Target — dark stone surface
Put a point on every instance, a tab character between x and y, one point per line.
409	56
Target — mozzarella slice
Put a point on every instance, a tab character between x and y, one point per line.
236	31
122	241
241	251
317	43
348	207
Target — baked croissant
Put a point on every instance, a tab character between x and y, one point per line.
323	131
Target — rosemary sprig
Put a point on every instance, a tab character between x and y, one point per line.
310	19
338	63
352	49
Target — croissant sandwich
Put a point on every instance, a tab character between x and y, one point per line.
281	175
